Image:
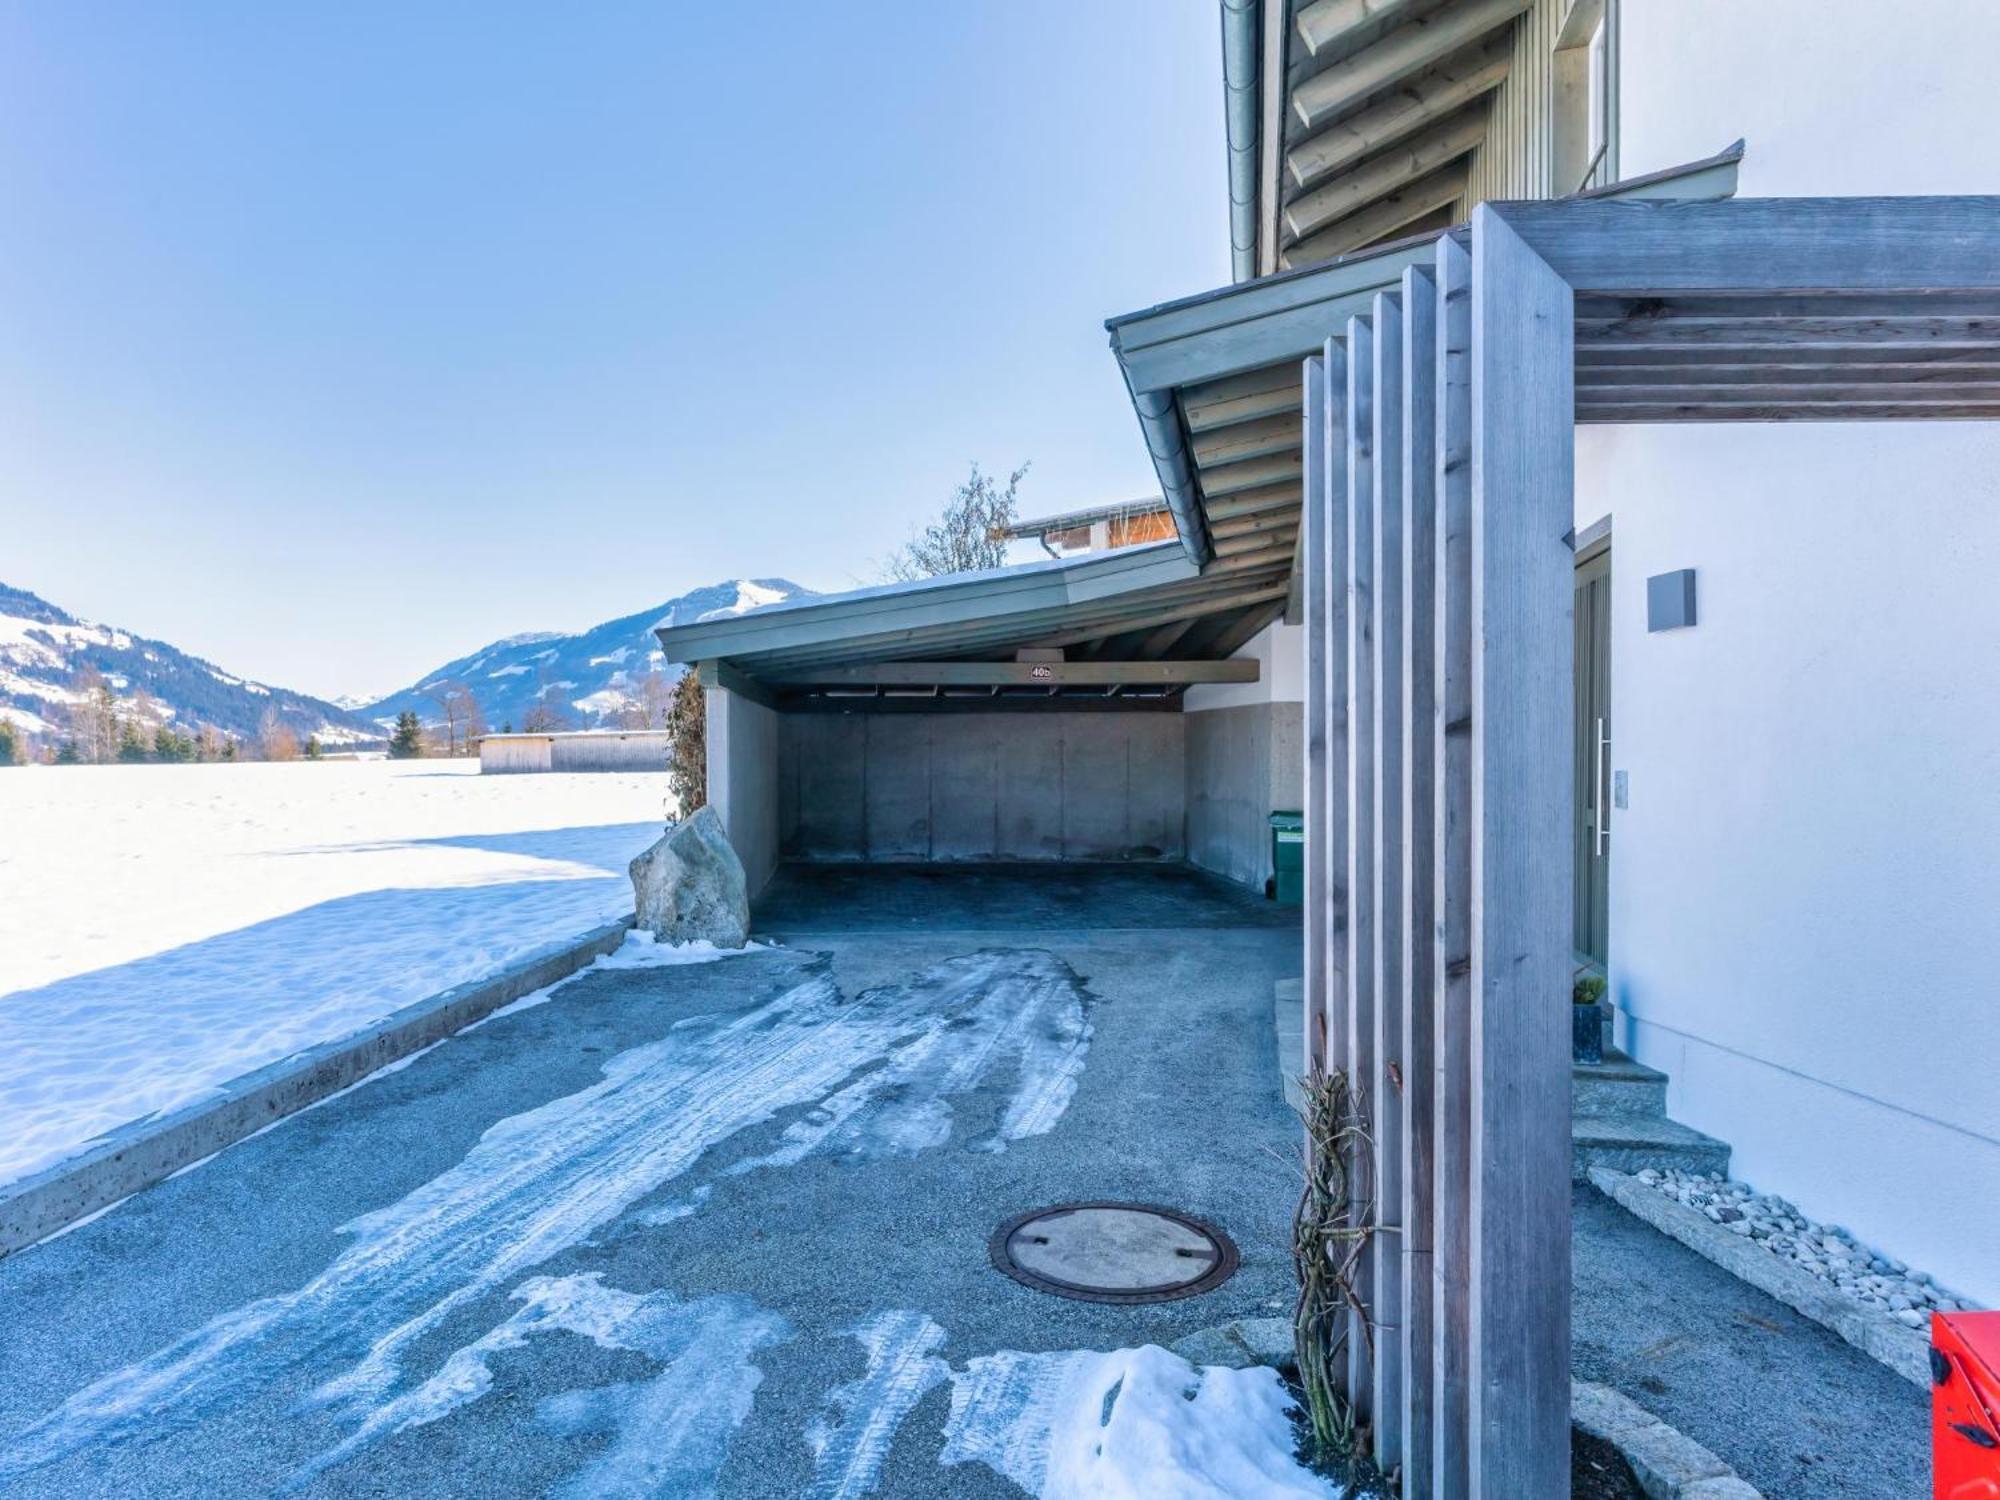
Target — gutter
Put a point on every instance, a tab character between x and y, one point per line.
1167	445
1240	42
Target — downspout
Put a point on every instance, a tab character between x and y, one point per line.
1239	86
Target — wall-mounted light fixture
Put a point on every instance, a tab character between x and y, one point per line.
1670	600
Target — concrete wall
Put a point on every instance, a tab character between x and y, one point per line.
743	779
596	750
982	786
1246	758
1804	887
508	754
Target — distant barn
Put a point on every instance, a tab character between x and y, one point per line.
585	750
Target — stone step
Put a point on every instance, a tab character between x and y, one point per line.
1617	1086
1630	1143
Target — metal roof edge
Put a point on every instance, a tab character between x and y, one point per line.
950	598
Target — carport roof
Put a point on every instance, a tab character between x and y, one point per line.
1134	605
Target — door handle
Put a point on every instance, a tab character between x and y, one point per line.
1602	834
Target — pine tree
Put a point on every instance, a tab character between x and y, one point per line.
131	748
66	755
10	743
407	743
313	750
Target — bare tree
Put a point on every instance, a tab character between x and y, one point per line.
93	720
460	709
961	540
275	740
548	715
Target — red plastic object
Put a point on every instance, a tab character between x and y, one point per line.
1965	1406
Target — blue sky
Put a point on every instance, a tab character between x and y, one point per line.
338	339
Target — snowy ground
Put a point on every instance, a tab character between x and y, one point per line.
165	929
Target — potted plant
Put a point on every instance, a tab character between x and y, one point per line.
1586	1020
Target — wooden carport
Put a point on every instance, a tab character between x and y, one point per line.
1438	569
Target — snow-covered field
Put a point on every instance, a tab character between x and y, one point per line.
165	929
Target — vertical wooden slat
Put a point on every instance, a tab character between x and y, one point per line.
1360	965
1522	580
1451	950
1419	468
1331	674
1385	1081
1313	521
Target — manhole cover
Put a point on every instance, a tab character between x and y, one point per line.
1114	1252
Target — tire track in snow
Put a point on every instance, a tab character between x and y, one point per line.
540	1183
849	1447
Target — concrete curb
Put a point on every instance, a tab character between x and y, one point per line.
1668	1464
1904	1350
1239	1344
138	1155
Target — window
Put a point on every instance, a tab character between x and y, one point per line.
1584	77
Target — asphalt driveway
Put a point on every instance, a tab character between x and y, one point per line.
711	1229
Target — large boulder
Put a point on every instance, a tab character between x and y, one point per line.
690	886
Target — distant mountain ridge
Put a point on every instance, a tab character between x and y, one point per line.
594	678
48	657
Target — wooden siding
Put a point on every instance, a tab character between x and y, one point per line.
1514	159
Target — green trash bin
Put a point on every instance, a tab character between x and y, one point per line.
1288	856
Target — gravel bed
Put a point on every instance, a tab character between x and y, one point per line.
1827	1251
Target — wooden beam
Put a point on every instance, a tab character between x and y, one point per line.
1258	438
1331	24
1189	613
1416	1322
1264	522
1257	541
1259	501
1256	393
1451	950
1327	671
1232	479
1157	643
1790	393
1798	411
1522	517
1382	217
1385	902
1018	673
1315	384
1361	723
1593	358
1911	376
1456	81
1241	631
1659	247
1408	49
1389	172
1805	331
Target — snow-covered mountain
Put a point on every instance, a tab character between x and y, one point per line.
50	661
590	678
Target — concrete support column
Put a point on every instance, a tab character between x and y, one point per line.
743	779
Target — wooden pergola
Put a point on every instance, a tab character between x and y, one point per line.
1439	569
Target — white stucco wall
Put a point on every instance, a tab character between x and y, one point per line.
1805	889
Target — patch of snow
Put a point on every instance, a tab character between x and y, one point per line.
167	929
221	676
1134	1424
669	1433
613	658
25	721
603	701
749	596
515	670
